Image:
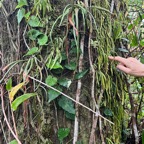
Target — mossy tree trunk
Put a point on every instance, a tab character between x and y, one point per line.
71	41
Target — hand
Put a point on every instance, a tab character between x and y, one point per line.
129	65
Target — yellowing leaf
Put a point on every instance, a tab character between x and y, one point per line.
14	90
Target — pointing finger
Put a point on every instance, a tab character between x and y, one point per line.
119	59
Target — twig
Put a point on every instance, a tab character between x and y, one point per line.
13	118
2	101
112	6
24	38
78	92
3	132
133	116
95	106
100	128
70	98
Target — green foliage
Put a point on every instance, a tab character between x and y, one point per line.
81	74
33	34
20	15
63	133
53	56
108	112
71	66
51	81
21	99
65	82
34	21
13	142
66	104
42	39
52	94
9	84
21	3
32	51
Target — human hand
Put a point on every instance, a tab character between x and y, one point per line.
130	65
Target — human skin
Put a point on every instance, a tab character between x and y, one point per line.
130	65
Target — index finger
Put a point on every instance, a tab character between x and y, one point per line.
119	59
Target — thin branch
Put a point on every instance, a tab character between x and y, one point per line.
2	101
133	115
78	92
101	132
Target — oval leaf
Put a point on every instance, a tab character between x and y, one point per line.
32	51
21	99
71	66
65	82
54	65
52	94
123	50
9	84
33	34
21	3
63	133
20	15
14	90
66	104
81	74
42	40
51	81
13	142
108	112
34	21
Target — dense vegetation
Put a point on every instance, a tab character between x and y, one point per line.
56	82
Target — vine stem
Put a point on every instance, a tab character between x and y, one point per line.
78	92
133	115
1	89
96	113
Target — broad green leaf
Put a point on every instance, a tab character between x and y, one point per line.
130	26
52	94
63	133
69	115
21	99
13	142
108	112
20	15
14	90
123	50
71	66
64	82
51	81
9	84
27	15
53	65
142	42
21	3
32	51
42	40
134	41
66	104
33	34
143	136
34	21
81	74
